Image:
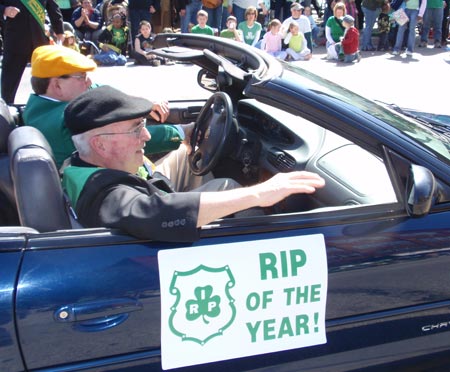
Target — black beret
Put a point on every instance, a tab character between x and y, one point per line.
101	106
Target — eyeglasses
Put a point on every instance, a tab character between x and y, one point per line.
79	77
136	131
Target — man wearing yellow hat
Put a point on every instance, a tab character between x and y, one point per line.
59	75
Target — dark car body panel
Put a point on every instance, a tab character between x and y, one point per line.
377	295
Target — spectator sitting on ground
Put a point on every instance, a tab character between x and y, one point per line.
143	44
273	40
297	49
201	27
87	22
70	41
231	32
251	29
113	42
303	23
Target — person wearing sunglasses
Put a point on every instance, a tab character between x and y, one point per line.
109	185
58	75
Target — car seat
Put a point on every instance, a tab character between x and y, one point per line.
8	209
40	200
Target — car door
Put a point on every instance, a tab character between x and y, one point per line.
87	299
12	242
90	299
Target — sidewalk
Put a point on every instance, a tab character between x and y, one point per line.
410	82
418	82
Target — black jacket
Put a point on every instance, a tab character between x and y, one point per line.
146	209
23	33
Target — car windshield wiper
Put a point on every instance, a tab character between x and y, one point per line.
425	119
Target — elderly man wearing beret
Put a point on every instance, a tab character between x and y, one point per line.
59	75
108	186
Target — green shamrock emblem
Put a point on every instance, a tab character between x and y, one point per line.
205	304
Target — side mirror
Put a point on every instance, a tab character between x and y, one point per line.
420	191
206	80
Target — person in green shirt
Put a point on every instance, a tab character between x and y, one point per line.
59	75
250	28
201	27
231	32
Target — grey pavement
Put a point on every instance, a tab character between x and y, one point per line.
420	82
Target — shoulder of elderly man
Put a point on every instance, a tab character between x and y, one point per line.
117	199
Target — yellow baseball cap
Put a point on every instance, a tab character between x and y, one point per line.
54	60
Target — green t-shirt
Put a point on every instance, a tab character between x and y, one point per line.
336	29
230	34
204	31
119	37
250	33
433	4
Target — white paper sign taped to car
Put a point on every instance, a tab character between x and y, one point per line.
232	300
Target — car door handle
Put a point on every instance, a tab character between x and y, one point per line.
97	315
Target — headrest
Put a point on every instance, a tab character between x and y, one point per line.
27	136
7	124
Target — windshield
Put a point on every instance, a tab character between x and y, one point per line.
434	137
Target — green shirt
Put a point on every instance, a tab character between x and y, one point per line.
204	31
414	4
336	29
433	4
250	33
230	34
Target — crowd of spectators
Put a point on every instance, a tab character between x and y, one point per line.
111	30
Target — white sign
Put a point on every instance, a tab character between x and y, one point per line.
239	299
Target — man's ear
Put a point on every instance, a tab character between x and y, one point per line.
98	146
54	88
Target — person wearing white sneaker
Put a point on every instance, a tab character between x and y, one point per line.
414	9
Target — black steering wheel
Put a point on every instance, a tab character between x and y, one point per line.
212	127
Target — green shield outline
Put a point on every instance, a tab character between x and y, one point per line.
175	291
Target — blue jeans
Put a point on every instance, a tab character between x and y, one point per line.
225	14
432	18
349	58
239	13
215	17
370	17
412	15
191	15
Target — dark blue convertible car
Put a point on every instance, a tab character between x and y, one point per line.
355	276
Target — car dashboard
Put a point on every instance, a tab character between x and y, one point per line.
271	140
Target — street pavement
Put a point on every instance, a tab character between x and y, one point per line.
419	82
